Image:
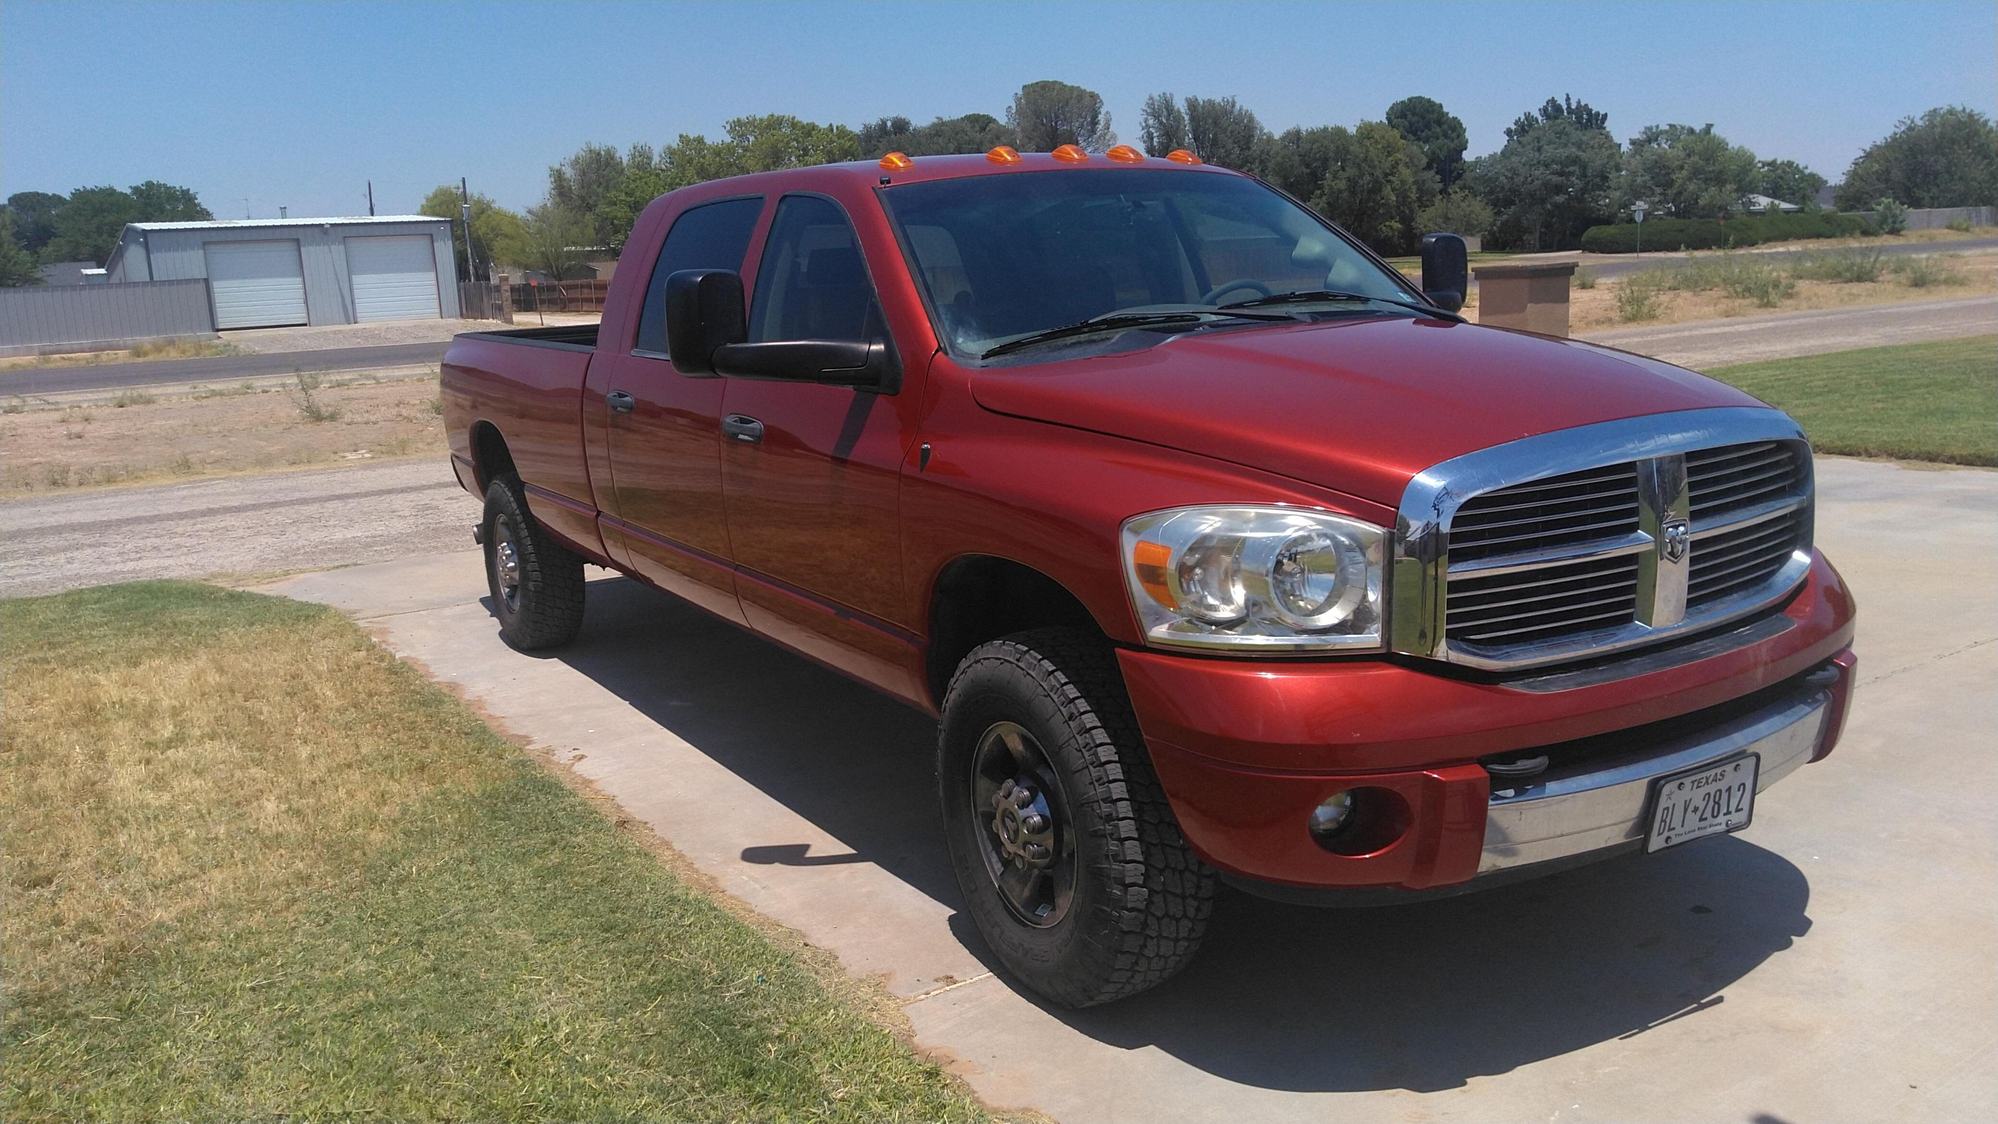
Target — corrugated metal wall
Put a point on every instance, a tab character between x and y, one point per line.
34	318
329	292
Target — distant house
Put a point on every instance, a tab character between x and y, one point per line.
69	273
1826	195
1763	204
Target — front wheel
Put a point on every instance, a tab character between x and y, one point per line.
1070	861
536	582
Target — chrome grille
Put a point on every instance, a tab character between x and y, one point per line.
1515	557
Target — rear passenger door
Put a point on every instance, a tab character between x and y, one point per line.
812	499
664	427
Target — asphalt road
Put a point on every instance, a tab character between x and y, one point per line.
214	369
1747	339
1621	266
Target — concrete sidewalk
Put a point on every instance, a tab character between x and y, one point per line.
1832	962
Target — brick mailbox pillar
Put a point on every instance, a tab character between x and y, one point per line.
1533	296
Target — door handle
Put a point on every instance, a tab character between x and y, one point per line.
620	402
742	427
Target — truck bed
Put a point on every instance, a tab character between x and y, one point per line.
569	337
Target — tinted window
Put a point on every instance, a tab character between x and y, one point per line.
712	236
812	284
1004	256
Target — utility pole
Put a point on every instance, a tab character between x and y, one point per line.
246	206
465	206
371	199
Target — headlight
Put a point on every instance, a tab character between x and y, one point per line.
1271	579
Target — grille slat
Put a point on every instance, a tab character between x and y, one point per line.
1514	583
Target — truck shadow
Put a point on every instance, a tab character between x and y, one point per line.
1421	997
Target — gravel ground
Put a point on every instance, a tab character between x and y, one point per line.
236	525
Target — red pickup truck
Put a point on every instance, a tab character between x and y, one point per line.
1222	551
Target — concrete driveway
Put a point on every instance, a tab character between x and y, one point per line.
1832	962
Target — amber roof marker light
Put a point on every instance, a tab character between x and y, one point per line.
1069	154
1182	156
1002	154
897	162
1125	154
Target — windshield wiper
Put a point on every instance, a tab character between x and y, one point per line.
1312	296
1115	321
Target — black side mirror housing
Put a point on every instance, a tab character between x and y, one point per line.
861	364
1446	271
704	313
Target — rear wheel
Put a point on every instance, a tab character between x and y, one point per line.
1070	861
536	582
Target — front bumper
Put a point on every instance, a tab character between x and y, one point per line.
1246	749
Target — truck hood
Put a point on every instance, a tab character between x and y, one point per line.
1356	405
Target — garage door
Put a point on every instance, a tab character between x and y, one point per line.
395	277
256	284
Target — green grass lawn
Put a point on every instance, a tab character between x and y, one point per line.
1919	401
257	867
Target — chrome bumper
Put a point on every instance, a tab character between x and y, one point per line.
1601	803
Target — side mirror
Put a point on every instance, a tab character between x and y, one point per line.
1446	270
704	313
861	364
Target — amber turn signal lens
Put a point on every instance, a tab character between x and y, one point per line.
1124	154
1182	156
1069	154
897	162
1002	154
1150	561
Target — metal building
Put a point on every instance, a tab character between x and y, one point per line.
265	273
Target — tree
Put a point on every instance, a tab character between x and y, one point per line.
34	215
1047	114
17	265
1222	131
973	132
1687	173
1434	130
1948	157
778	140
1580	113
1458	212
165	202
1375	187
1162	125
1548	184
87	227
1298	159
579	185
499	236
1788	181
553	239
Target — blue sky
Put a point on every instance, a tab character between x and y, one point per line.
299	104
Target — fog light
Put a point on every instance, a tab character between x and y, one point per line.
1329	817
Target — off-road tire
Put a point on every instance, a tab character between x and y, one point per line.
548	606
1142	898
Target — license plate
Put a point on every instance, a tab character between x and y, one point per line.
1710	800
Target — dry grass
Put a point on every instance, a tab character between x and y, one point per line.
161	349
1960	276
215	431
257	867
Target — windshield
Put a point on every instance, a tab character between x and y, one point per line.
1004	257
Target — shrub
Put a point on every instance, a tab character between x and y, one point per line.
306	398
1925	271
1889	217
1961	226
1636	300
1585	278
1845	266
132	398
1709	234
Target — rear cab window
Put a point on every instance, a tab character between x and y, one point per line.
710	236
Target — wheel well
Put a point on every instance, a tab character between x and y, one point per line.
984	598
490	457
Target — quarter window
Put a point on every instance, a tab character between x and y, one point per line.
711	236
813	283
